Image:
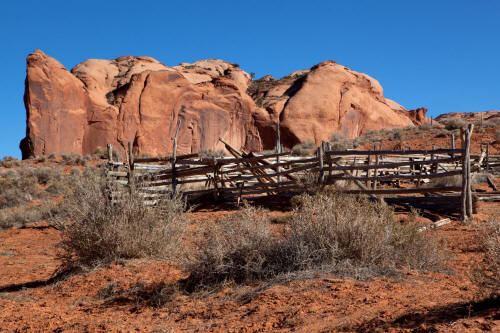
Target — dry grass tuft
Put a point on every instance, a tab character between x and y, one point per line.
487	272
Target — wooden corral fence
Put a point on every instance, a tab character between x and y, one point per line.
426	179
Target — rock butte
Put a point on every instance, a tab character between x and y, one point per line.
140	100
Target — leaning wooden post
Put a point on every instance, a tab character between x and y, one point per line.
174	157
328	148
131	182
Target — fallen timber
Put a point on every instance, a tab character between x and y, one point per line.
400	177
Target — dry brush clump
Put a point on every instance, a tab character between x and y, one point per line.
334	233
97	231
487	272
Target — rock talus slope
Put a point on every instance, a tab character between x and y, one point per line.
140	100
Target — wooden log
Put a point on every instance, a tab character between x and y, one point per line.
117	173
468	136
464	194
301	168
320	157
110	152
174	157
491	183
394	165
407	190
130	167
331	179
394	152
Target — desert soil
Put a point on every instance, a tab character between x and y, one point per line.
411	302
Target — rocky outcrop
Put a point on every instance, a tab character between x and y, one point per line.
488	117
140	100
418	116
135	99
329	98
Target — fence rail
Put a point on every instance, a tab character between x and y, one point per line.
398	173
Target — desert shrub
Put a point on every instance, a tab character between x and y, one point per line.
96	231
339	229
497	136
487	273
305	148
455	123
331	232
340	142
239	248
18	216
209	153
426	126
18	187
442	134
9	162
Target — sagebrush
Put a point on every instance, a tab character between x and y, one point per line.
327	232
96	230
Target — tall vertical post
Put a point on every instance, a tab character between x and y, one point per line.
375	170
110	152
488	157
320	157
130	167
469	176
174	157
466	197
452	143
278	151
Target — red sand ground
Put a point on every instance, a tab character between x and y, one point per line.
413	302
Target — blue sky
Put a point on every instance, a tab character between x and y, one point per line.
444	55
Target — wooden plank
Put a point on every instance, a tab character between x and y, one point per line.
334	178
117	173
268	166
436	224
406	190
394	152
395	165
301	168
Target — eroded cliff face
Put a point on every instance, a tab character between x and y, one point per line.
140	100
136	99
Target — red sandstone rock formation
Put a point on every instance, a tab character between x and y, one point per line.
140	100
329	98
135	99
488	117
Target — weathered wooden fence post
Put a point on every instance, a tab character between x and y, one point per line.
110	152
452	143
131	182
278	151
487	157
174	158
466	196
321	170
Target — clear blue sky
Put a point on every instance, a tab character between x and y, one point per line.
444	55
